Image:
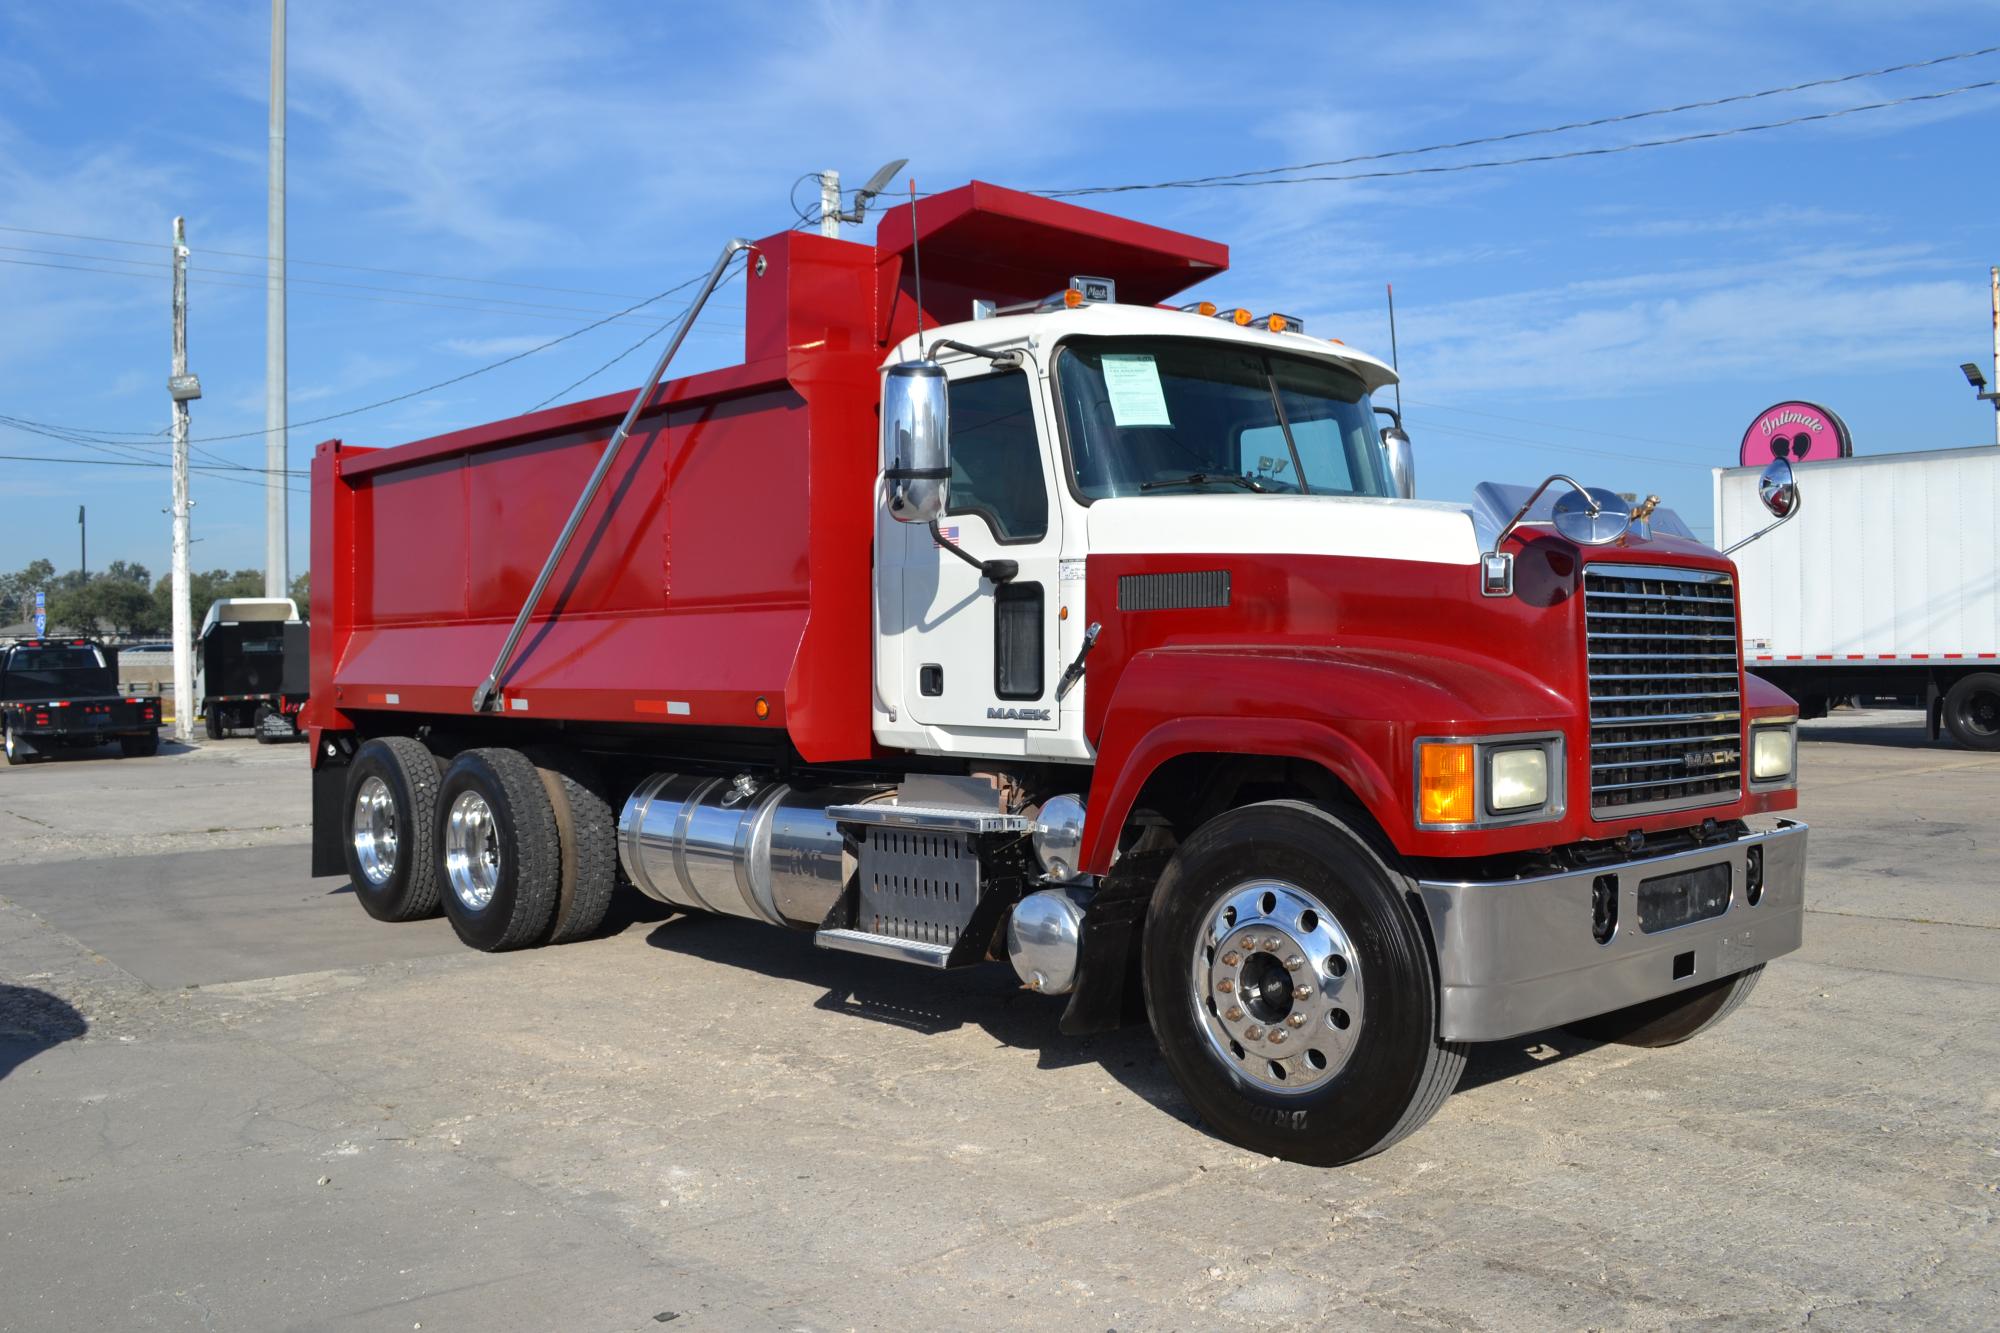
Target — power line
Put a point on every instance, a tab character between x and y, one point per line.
413	393
323	263
573	384
1470	432
150	268
208	279
1554	425
220	474
1621	119
1693	137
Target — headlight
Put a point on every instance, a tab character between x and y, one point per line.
1472	782
1517	779
1771	752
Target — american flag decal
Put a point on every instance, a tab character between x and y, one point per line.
947	535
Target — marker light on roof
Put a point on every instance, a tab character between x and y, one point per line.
1202	308
1280	323
1239	316
1072	298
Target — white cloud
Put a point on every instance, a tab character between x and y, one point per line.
491	347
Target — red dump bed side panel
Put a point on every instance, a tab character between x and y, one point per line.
724	561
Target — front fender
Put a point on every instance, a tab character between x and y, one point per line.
1355	712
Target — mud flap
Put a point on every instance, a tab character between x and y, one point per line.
329	816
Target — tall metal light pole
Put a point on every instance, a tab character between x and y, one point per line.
277	551
184	389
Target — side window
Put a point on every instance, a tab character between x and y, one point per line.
996	456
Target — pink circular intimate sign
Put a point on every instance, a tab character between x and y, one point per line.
1798	432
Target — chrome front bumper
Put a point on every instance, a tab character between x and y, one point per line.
1518	955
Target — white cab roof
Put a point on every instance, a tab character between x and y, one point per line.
1042	330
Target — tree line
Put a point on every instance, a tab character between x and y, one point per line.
123	599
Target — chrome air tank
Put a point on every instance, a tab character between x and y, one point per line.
737	846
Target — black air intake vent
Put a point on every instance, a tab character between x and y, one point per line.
1193	590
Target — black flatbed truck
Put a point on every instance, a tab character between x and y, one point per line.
63	694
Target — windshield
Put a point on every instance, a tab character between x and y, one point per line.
1160	416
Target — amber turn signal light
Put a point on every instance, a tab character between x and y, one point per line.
1445	783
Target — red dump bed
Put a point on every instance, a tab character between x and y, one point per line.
724	568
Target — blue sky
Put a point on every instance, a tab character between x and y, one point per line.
1621	317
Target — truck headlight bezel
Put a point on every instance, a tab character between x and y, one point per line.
1455	779
1781	740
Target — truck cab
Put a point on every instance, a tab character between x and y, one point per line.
1140	434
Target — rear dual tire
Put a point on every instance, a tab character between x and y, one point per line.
390	838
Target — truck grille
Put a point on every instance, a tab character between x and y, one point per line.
1666	701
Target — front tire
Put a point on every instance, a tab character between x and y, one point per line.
1672	1019
391	805
1972	711
212	723
1292	989
499	857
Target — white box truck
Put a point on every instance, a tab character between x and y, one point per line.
1886	583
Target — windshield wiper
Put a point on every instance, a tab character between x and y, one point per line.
1203	478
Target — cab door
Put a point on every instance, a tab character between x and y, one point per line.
980	654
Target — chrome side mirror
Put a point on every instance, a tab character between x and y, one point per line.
1402	461
1401	455
916	441
1779	491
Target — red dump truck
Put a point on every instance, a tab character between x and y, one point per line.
995	607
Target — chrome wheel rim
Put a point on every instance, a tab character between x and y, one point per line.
375	831
472	851
1277	987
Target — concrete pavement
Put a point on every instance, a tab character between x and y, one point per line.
229	1100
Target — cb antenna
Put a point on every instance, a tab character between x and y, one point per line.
1394	363
917	263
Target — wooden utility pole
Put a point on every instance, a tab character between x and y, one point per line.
183	388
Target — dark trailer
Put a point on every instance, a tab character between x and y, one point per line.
253	667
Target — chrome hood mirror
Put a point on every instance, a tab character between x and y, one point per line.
1778	489
1585	515
1591	517
916	441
